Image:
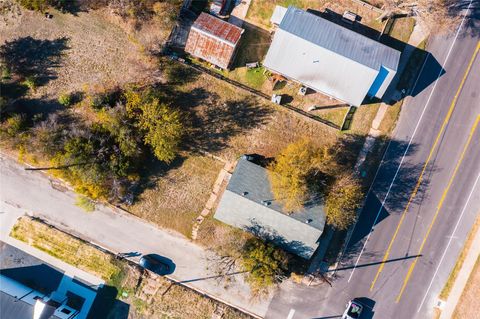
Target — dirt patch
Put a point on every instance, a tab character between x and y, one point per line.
261	10
95	50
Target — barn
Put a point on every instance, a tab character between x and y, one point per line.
330	58
213	40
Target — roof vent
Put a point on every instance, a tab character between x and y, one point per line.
266	202
244	193
308	221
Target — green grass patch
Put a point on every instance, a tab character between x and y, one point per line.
402	28
67	248
85	203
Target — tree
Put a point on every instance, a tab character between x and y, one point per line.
265	264
437	15
288	174
343	200
162	126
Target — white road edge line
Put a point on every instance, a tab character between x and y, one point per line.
291	313
449	242
413	135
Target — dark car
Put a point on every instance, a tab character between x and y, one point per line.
353	311
157	264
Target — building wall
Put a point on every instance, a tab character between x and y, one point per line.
292	235
210	49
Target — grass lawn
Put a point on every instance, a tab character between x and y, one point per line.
402	28
260	11
66	248
170	301
177	198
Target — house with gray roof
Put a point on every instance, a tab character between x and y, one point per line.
248	203
330	58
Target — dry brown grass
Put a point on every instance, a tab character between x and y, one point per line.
98	51
65	248
260	11
469	302
170	301
177	198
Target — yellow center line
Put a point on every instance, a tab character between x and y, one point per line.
439	207
430	155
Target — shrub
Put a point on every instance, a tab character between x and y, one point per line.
16	124
266	265
37	5
65	99
290	170
30	82
85	203
343	200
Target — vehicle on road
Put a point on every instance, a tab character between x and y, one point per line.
353	311
157	264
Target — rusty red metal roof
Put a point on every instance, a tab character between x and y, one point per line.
218	28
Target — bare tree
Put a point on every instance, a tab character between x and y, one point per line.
436	15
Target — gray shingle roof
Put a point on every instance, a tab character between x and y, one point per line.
339	39
243	205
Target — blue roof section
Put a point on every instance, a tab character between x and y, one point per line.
339	39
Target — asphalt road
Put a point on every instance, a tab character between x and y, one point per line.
403	248
32	192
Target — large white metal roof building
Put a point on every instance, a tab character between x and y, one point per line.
330	58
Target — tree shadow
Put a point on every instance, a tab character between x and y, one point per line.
472	22
271	235
214	123
33	57
377	205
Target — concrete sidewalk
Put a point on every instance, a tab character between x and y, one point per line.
32	192
462	278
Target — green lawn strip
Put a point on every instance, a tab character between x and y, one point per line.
171	300
66	248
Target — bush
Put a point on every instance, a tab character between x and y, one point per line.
161	126
16	124
30	82
85	203
65	99
343	200
290	170
37	5
266	265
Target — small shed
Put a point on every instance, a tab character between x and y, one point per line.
248	203
213	40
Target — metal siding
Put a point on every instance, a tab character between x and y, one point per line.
319	68
218	28
209	49
339	39
297	237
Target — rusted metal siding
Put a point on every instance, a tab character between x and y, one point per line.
213	40
218	28
209	49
